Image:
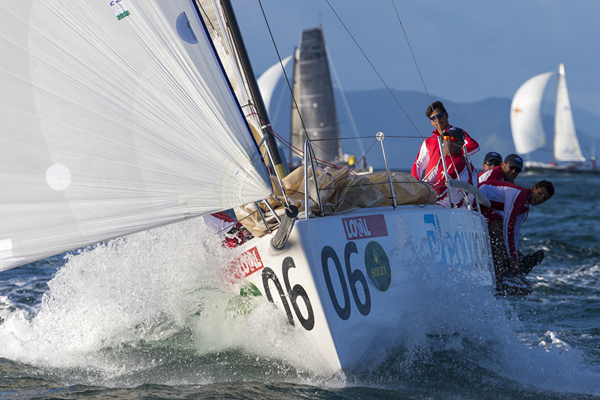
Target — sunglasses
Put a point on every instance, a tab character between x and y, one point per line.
437	116
453	139
494	163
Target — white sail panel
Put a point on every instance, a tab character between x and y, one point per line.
525	114
114	120
269	79
566	145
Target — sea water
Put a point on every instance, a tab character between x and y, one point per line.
148	316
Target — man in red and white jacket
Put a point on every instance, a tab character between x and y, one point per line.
507	171
425	167
458	168
510	207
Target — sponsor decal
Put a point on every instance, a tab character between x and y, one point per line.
248	263
119	9
369	226
378	268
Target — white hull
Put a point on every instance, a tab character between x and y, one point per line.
348	274
540	167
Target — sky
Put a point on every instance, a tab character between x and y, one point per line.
466	50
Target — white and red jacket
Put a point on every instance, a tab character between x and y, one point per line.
459	169
492	174
511	204
425	166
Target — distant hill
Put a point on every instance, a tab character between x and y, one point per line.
488	121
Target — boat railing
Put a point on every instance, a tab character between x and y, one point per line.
380	136
309	161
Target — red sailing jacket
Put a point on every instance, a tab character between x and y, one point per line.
511	203
425	165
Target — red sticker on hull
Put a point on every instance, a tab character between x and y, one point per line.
369	226
248	263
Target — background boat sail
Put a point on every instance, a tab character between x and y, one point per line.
126	116
313	107
314	112
527	128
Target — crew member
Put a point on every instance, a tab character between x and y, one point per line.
459	168
426	163
491	160
510	207
507	171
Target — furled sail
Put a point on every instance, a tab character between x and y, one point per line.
566	145
525	114
116	117
315	103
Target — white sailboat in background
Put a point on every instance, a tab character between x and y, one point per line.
129	115
527	128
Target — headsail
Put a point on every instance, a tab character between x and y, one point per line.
566	145
116	117
525	114
313	92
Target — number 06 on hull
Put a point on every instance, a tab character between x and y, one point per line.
343	280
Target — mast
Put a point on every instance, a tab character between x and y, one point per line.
253	86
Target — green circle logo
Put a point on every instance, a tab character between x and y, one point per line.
378	266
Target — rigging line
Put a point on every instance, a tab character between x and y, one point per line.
298	151
365	153
345	101
287	80
412	54
374	69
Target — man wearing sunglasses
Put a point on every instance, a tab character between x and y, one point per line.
458	168
491	160
425	166
507	171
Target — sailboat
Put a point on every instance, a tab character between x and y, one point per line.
528	132
122	116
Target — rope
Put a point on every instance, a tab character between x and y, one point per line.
375	69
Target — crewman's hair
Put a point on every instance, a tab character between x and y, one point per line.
547	185
436	105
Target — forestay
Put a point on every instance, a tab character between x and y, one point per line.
116	117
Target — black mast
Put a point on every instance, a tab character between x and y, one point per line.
253	86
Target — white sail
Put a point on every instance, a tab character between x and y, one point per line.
116	117
566	145
269	79
525	114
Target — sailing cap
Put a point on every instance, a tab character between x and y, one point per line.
455	133
492	155
514	161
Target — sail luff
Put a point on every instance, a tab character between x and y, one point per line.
566	145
